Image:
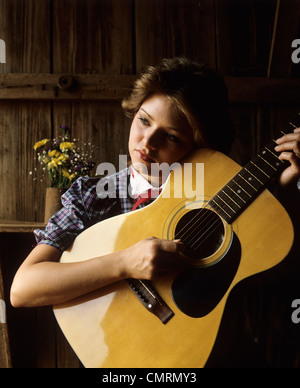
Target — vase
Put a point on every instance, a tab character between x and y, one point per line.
52	202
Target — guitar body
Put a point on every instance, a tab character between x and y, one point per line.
110	328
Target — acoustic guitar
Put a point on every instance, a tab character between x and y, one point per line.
235	230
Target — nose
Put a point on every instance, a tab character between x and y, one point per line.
151	139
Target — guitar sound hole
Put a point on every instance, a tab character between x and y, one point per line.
202	231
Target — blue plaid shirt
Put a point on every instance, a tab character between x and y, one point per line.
83	207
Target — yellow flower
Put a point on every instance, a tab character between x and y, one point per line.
66	145
54	154
68	175
63	157
40	143
54	163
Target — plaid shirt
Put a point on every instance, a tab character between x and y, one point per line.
83	207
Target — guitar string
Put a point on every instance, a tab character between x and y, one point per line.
199	219
202	240
210	217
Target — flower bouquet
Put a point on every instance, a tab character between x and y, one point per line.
64	160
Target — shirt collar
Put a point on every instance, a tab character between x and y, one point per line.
139	185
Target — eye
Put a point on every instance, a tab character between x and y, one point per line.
144	121
172	138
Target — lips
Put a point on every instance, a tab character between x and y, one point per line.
144	157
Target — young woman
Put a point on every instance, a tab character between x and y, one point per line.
176	107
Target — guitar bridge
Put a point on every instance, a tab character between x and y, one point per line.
150	299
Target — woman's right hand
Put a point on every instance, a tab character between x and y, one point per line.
153	257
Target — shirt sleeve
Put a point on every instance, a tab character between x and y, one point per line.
68	222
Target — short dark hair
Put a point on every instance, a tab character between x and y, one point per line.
197	91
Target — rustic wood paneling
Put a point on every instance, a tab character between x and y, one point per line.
92	36
113	88
21	125
25	28
96	123
168	28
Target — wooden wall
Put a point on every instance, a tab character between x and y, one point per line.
118	38
103	44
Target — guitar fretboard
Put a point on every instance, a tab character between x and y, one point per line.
251	180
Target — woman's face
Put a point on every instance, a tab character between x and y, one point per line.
158	134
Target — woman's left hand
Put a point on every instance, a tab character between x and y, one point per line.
289	146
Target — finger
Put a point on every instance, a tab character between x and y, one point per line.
172	246
180	246
292	146
297	130
292	158
286	146
289	137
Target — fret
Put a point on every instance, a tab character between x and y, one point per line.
226	204
222	212
266	162
248	180
236	193
293	125
254	176
256	166
231	199
240	190
274	169
260	170
270	152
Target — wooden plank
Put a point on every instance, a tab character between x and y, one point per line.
21	125
46	87
25	28
100	124
263	90
116	87
169	28
13	226
92	36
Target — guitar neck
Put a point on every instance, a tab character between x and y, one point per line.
251	180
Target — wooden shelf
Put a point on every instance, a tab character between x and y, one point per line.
12	226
